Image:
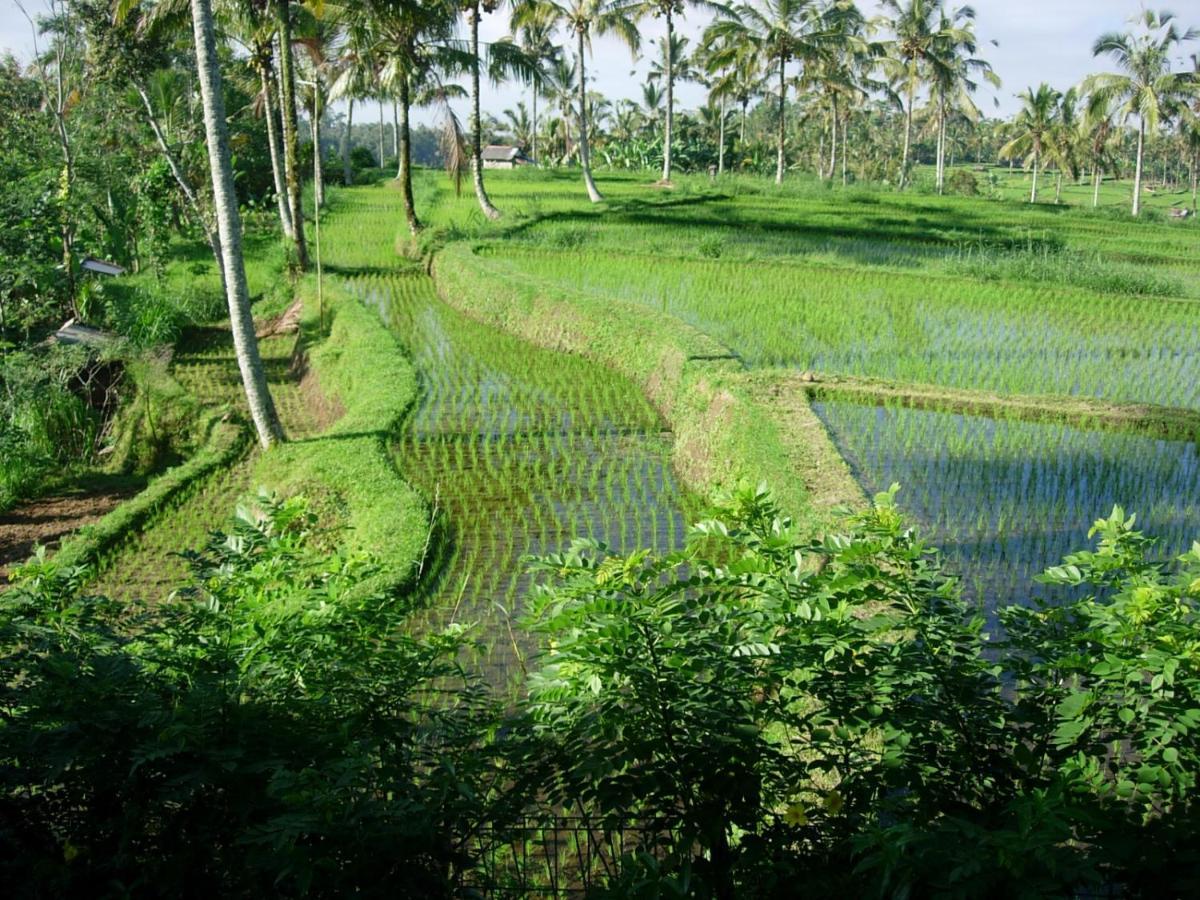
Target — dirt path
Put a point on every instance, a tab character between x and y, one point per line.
48	519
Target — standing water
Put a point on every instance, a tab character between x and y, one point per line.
519	451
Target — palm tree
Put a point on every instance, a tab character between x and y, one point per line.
536	41
1189	127
1063	145
915	27
1033	124
736	73
229	226
778	31
585	18
952	71
1097	131
411	38
672	58
520	126
472	8
1146	87
291	143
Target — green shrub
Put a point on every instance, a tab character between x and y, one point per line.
259	734
963	182
832	714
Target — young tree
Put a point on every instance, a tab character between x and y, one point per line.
1146	88
1033	125
229	226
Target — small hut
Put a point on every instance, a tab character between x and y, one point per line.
501	156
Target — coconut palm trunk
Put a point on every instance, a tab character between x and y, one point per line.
314	129
281	196
779	160
396	134
1097	178
721	139
1137	173
845	150
533	136
287	112
941	143
481	194
584	154
381	130
405	154
1033	190
347	170
833	137
908	117
670	73
229	226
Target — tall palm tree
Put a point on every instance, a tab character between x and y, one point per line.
411	37
778	31
536	40
953	69
472	9
1033	125
1146	87
585	19
1189	127
229	226
668	11
1098	130
736	74
520	125
1064	140
282	10
915	27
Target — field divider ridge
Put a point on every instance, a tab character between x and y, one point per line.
729	432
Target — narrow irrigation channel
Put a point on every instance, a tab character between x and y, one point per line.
519	450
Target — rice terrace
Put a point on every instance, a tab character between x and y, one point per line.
439	461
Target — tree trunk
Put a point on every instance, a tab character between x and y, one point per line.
721	139
584	154
185	186
845	149
1033	190
281	201
347	169
779	160
291	150
907	137
1058	188
533	138
1097	178
254	379
833	138
314	124
666	169
742	125
405	175
381	130
941	143
1195	179
481	194
1137	175
396	134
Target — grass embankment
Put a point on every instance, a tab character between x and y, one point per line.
727	431
346	467
339	394
1137	418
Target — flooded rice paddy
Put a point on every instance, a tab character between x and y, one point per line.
1005	499
519	450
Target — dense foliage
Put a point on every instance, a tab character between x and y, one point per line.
770	712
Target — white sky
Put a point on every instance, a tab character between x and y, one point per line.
1039	40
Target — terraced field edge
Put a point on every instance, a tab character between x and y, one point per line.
346	468
729	432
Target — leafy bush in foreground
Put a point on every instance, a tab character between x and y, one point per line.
833	715
261	734
771	714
